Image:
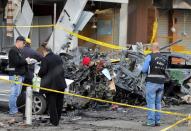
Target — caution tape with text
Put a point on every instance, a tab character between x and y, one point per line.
97	42
112	46
110	102
97	99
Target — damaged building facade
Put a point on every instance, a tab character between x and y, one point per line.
97	19
117	22
173	18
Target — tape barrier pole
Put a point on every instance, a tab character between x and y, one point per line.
97	99
175	124
28	107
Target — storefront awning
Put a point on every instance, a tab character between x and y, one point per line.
182	4
172	4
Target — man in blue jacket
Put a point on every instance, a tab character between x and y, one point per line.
28	52
154	65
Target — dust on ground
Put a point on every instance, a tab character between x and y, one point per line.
123	119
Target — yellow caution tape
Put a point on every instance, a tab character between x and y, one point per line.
99	100
155	29
112	46
175	124
108	45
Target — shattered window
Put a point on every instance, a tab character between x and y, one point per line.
178	61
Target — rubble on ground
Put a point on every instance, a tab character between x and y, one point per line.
129	82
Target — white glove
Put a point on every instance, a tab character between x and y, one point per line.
36	68
30	60
33	61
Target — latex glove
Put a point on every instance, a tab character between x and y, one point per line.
28	60
33	61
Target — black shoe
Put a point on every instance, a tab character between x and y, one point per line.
157	124
50	124
148	124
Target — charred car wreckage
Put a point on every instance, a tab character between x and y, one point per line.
126	83
120	80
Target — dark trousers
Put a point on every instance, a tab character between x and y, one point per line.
55	105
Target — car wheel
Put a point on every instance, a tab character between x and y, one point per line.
39	104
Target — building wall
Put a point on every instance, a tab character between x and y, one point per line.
182	25
88	31
1	7
40	35
1	30
163	28
5	42
123	25
109	35
139	21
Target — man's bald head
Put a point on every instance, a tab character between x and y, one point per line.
155	47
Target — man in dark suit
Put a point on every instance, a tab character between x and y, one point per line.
52	77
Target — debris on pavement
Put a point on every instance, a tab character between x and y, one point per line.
127	84
2	125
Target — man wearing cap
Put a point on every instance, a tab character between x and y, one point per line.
17	64
28	52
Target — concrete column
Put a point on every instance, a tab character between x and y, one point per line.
123	24
28	106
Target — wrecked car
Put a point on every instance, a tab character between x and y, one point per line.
129	81
179	70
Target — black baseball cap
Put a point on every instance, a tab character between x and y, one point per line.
21	38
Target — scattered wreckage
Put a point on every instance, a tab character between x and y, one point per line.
124	83
90	81
128	79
